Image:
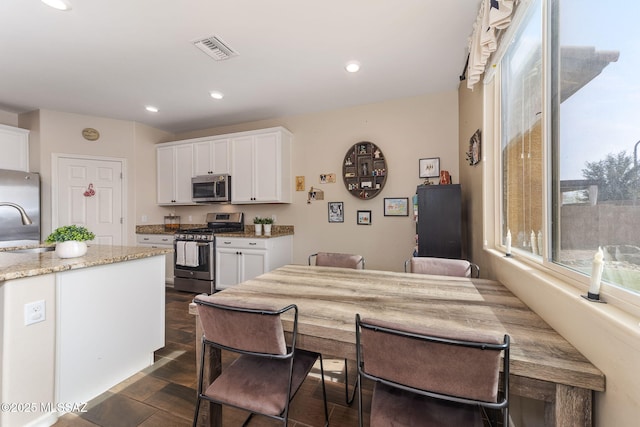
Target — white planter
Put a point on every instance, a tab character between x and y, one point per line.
71	249
258	229
267	229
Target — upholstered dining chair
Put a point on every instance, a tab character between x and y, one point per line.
268	372
428	377
333	259
441	266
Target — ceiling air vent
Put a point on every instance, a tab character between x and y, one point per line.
215	48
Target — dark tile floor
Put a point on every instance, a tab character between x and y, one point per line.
164	393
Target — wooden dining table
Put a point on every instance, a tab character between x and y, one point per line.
543	365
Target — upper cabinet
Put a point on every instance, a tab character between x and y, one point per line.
259	163
261	167
14	146
175	169
211	157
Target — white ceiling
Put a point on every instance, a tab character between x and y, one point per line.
110	58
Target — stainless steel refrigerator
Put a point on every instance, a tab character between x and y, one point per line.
19	208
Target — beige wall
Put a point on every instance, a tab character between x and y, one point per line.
604	334
405	130
54	132
9	119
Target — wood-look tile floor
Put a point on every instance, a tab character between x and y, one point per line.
163	395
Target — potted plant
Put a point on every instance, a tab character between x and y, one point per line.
257	224
267	223
70	240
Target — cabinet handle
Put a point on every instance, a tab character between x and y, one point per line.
253	243
226	243
145	238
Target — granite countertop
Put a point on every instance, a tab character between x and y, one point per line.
249	230
18	265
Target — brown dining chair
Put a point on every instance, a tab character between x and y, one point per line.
332	259
268	372
428	377
441	267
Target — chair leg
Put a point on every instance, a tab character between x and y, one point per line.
324	393
359	387
348	399
200	375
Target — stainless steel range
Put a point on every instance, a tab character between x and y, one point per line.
195	252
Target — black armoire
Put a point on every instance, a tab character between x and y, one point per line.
439	225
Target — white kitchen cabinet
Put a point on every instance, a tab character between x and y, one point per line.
14	146
160	241
174	172
243	258
211	157
261	166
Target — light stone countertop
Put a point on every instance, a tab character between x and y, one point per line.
249	230
18	265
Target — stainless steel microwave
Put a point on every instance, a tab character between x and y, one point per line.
211	188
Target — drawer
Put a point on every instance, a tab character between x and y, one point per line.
155	239
241	243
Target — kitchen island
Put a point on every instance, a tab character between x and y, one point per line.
100	317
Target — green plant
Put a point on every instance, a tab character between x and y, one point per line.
267	220
70	232
258	220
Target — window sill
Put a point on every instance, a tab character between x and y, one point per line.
558	301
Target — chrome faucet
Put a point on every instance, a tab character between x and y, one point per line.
25	218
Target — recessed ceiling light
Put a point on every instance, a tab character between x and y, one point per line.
352	66
58	4
217	95
151	108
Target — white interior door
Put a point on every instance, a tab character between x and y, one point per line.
89	192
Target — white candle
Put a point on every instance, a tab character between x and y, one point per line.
508	242
534	245
539	242
596	272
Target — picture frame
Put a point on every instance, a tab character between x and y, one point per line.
336	211
364	217
396	206
429	167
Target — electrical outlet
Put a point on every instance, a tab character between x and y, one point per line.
144	218
190	218
34	312
273	217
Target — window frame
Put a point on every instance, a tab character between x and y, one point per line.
615	295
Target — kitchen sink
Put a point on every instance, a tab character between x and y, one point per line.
33	250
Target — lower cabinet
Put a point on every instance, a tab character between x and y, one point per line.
160	241
242	258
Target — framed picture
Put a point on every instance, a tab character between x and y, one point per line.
429	168
396	206
364	217
327	178
336	212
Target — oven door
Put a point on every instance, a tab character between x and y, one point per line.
194	260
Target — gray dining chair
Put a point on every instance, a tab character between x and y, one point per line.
333	259
268	372
441	267
430	377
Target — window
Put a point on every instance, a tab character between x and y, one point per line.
521	136
592	146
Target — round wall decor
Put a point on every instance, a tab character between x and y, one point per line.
90	134
364	170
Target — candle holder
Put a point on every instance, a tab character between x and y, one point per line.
593	298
